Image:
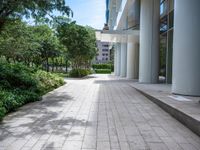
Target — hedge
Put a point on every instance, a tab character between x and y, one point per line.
102	71
101	66
78	73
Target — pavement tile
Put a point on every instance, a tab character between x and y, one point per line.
99	113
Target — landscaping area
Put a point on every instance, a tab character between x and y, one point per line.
103	68
58	90
36	57
20	85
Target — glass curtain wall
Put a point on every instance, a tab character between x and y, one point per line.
166	39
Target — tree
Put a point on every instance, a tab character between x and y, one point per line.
112	55
41	10
29	44
80	42
17	42
50	46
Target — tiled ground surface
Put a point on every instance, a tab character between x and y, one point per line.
99	113
185	108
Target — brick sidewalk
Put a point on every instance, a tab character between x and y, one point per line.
99	113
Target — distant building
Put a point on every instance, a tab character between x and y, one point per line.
103	54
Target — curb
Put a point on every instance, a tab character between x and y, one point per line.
189	121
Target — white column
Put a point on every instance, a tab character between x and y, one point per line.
132	59
115	60
149	41
123	59
118	59
186	48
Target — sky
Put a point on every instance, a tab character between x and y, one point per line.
88	12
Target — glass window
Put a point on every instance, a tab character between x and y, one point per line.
163	7
171	5
171	19
163	24
106	45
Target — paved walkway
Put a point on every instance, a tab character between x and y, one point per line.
186	109
99	113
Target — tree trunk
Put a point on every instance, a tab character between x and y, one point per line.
56	64
52	64
47	65
2	22
66	65
61	65
7	59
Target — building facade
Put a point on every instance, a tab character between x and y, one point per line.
103	54
167	44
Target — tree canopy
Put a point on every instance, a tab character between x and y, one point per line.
54	40
41	10
80	42
39	45
29	44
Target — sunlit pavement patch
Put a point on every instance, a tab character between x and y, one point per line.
180	98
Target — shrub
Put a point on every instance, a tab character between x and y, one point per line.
2	110
63	75
112	67
89	71
103	71
26	96
8	101
20	85
101	66
47	81
78	73
16	76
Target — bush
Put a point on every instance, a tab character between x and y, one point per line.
16	76
9	101
2	110
101	66
63	75
20	85
112	68
47	81
78	73
103	71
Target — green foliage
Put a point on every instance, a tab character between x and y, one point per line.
102	71
112	68
9	100
80	42
2	110
17	41
14	76
112	55
101	66
40	10
47	81
78	73
64	75
50	47
20	85
35	45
